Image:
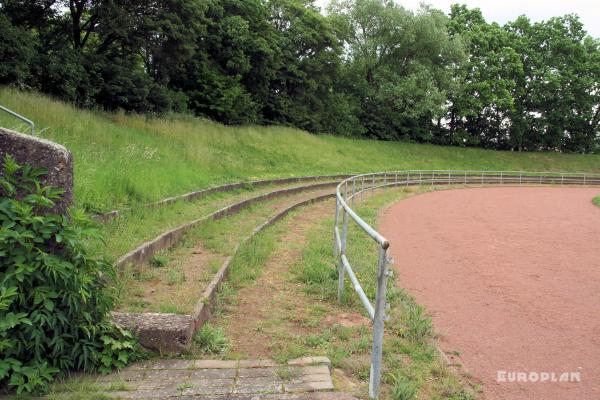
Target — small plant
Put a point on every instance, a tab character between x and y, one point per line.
54	303
596	201
159	261
285	373
175	276
418	324
403	389
211	340
169	308
183	386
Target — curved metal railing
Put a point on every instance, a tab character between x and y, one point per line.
355	187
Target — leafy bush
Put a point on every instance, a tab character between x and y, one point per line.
54	303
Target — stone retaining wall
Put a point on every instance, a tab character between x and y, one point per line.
37	152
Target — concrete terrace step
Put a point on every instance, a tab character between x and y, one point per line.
216	379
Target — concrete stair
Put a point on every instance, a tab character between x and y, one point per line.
301	379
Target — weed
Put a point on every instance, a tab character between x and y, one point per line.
159	261
403	388
169	309
210	340
174	276
418	325
183	386
118	386
285	373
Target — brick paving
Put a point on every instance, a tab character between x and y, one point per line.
305	378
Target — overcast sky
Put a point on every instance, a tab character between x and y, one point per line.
502	11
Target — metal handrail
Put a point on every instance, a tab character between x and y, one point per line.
348	190
22	118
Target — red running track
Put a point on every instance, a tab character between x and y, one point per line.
511	277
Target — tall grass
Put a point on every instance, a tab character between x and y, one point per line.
123	160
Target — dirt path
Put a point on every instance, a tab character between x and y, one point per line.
512	279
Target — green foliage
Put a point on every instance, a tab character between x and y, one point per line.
596	201
210	339
367	68
525	86
399	65
16	52
53	301
403	388
159	261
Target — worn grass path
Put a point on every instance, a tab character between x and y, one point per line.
274	317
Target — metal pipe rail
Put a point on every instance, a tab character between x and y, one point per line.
348	190
22	118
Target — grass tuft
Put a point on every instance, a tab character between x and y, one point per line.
210	340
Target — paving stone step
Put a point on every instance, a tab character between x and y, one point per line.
299	379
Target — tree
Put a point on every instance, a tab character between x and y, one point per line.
16	52
308	60
402	63
480	103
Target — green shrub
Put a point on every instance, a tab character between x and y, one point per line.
54	303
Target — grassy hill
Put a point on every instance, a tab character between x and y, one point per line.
123	159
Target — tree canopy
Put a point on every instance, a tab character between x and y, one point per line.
365	68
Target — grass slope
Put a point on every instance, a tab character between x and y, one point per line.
123	160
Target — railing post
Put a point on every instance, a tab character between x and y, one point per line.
396	180
373	186
465	177
337	216
520	178
449	178
341	275
353	190
407	178
385	181
378	325
362	189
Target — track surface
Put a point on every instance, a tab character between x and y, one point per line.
511	277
